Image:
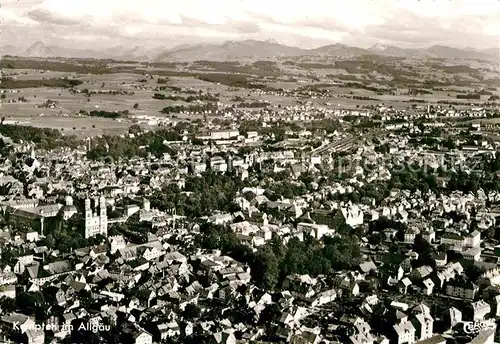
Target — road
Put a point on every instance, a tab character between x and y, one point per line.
341	145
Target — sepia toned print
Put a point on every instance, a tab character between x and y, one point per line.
249	171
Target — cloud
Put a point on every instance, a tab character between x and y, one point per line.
44	16
408	28
229	26
308	24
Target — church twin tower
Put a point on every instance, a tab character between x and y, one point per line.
96	221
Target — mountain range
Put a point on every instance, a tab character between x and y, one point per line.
253	49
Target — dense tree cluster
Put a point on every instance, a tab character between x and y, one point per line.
117	147
210	192
8	83
78	66
232	80
418	91
44	138
88	92
192	108
105	114
274	261
277	130
163	81
472	96
189	99
253	105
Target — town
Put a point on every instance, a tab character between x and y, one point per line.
296	224
248	191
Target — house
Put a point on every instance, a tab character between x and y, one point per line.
390	233
306	337
429	235
324	298
362	335
220	219
315	230
473	239
420	273
406	264
453	240
353	215
473	253
410	235
423	324
496	302
404	332
427	286
19	322
224	337
403	285
441	259
462	288
479	310
142	337
452	317
168	330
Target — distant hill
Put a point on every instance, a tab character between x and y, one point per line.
231	50
38	49
436	51
247	49
9	50
389	50
339	50
267	49
450	53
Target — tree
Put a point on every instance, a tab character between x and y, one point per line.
49	241
191	311
29	302
265	269
7	304
136	106
474	272
134	129
421	245
271	313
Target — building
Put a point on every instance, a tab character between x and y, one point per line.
404	332
479	310
452	239
473	239
424	325
96	222
224	134
462	289
315	230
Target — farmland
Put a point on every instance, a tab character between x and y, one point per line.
79	87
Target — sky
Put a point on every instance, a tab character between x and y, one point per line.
99	24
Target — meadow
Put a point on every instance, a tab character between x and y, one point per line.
356	83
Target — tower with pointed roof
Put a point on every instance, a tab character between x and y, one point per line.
96	222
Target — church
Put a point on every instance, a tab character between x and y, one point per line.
96	220
29	216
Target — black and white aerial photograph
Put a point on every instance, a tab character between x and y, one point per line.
249	171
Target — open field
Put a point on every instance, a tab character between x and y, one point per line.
84	127
349	83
